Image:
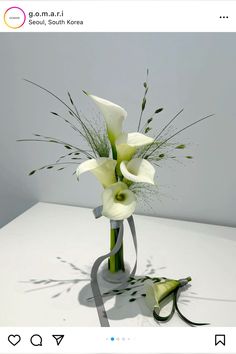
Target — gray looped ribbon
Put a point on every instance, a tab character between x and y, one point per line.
115	224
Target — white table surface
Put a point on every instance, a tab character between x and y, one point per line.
31	244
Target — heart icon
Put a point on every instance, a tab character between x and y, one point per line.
14	339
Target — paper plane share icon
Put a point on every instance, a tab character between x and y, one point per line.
58	338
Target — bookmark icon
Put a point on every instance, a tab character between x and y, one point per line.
219	339
58	338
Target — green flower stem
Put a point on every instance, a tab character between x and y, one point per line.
114	152
116	262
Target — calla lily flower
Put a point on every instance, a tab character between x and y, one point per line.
128	143
138	170
156	292
114	116
102	168
118	201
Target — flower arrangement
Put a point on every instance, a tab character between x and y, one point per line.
124	163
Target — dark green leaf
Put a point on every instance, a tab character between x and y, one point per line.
130	280
147	130
132	300
145	84
144	103
55	114
181	146
68	147
71	101
49	167
157	279
161	155
188	157
32	172
158	110
149	120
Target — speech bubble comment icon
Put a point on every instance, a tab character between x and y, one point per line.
36	340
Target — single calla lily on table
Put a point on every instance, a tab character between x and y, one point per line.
102	168
138	170
118	201
157	292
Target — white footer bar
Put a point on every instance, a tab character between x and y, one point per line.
126	340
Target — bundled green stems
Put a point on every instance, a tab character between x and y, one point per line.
116	262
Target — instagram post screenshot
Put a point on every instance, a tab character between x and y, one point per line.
117	179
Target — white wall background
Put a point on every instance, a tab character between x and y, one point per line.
194	71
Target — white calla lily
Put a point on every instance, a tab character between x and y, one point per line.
118	201
128	143
157	292
138	170
102	168
114	116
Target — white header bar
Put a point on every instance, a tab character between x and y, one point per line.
45	340
117	16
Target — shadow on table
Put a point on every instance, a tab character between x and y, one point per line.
121	309
126	303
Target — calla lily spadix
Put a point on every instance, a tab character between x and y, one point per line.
102	168
114	116
118	201
138	170
127	144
